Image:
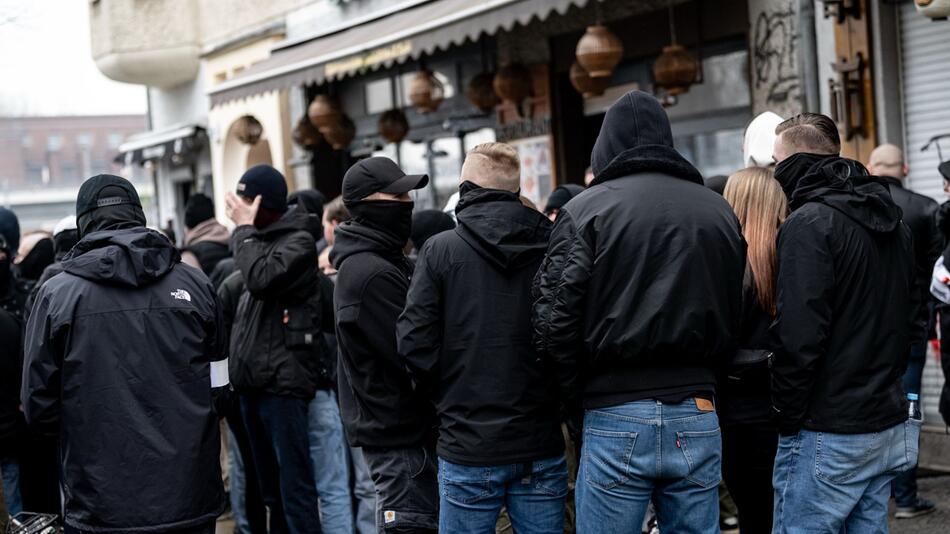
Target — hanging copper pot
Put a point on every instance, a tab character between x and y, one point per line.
481	93
426	91
341	133
585	85
599	51
305	134
513	83
393	125
675	70
248	130
323	111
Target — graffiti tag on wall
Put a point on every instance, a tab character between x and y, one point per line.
774	63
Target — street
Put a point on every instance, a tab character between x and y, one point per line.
937	489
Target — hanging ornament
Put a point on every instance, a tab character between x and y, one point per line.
305	134
393	125
481	93
585	85
426	91
248	130
513	83
323	111
599	51
341	133
676	69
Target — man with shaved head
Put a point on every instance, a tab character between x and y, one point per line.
887	162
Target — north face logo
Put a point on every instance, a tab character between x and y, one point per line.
181	294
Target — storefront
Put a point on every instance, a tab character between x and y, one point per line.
424	83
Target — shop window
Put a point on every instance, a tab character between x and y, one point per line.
406	79
379	96
714	153
473	139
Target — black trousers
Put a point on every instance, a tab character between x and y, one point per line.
200	529
748	456
254	509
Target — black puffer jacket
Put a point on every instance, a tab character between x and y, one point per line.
847	303
920	215
641	289
471	350
118	362
377	401
11	361
276	343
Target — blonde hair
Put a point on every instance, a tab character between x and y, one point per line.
761	207
493	165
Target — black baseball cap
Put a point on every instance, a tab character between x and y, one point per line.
378	175
944	170
105	190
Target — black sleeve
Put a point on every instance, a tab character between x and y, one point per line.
560	289
43	354
229	293
805	285
217	334
944	404
327	313
419	329
275	271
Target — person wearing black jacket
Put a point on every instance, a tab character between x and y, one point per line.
500	436
639	295
920	215
11	347
206	240
847	315
277	343
381	411
125	355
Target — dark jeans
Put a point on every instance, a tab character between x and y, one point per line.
280	446
201	529
904	487
254	510
407	488
748	456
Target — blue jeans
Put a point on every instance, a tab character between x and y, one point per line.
328	452
277	428
365	493
472	497
904	487
647	449
839	482
11	485
238	485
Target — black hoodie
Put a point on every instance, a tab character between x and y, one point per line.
465	334
377	401
847	301
118	361
641	289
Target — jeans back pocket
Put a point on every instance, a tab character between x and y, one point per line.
606	457
463	484
840	457
703	452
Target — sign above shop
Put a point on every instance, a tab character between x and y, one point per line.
370	58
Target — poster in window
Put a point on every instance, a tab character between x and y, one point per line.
537	171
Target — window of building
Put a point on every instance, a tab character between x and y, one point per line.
379	96
54	143
26	141
114	140
84	140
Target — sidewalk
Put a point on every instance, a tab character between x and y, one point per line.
937	489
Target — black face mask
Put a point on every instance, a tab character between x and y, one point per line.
392	217
791	169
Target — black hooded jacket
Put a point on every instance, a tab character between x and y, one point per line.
276	343
377	402
465	334
641	289
11	361
118	361
847	302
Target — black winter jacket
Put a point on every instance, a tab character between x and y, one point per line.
118	361
920	215
11	362
276	342
465	334
847	304
641	289
377	401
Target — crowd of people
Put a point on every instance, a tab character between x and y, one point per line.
368	367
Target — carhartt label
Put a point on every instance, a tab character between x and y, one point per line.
389	516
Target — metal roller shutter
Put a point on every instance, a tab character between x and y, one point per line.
925	69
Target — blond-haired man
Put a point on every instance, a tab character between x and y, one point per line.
465	336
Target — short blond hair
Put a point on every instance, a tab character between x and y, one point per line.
493	165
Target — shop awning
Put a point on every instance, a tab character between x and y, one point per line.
160	144
405	34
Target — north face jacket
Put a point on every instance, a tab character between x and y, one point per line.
122	351
277	343
641	289
847	303
465	334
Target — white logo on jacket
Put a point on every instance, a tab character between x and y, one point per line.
181	294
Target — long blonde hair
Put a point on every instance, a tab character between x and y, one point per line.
761	207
